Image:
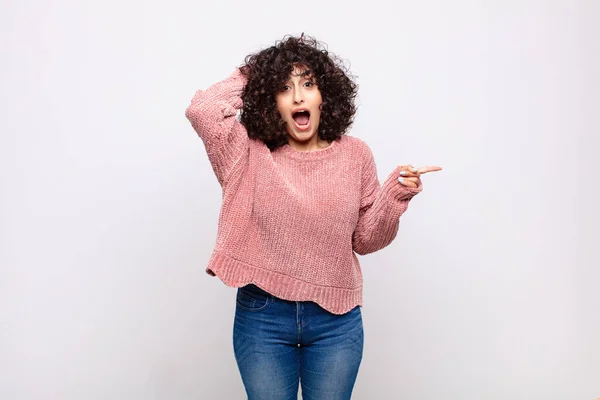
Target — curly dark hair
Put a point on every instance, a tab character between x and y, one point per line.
270	68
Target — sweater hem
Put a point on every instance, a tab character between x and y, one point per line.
235	273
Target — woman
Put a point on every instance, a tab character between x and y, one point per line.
300	200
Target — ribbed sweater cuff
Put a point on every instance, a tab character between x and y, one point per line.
235	85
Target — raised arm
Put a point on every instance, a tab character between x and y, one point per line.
212	113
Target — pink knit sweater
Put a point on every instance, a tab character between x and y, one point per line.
291	222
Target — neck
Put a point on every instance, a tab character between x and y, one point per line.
311	145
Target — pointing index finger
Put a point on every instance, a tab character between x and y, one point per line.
424	170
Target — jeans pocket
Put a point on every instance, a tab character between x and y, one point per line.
253	298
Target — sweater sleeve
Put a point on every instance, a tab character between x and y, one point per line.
380	209
212	113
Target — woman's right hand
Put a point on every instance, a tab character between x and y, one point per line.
245	69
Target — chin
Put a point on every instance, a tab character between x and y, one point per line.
303	137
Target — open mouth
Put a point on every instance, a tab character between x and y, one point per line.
302	119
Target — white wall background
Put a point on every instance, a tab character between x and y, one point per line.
108	205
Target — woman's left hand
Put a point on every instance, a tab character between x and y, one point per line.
410	176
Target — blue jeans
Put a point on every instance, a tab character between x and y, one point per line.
279	344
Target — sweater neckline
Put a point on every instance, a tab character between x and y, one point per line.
318	154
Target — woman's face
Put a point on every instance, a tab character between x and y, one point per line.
298	103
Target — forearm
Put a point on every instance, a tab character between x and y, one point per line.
210	109
212	113
379	221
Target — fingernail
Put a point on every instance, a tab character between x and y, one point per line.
402	173
400	179
414	170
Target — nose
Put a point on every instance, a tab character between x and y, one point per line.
298	96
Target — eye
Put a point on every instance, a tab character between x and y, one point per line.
309	84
